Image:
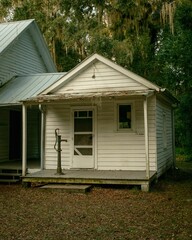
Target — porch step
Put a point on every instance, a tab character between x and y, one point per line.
10	175
71	188
9	180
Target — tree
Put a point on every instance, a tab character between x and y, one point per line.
148	37
174	69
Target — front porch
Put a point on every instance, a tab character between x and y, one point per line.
94	177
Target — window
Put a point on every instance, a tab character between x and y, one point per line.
124	112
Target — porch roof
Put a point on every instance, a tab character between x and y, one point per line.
26	86
86	95
51	98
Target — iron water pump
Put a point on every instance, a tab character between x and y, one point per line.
57	147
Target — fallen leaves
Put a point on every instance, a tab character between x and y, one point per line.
104	213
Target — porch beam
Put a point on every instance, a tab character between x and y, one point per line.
24	139
146	130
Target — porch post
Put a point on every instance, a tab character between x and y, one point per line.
42	135
24	139
146	138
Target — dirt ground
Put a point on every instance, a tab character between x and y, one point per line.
105	213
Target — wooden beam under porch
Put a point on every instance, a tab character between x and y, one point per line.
95	177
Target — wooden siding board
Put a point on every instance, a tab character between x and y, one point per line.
164	155
115	150
57	116
105	78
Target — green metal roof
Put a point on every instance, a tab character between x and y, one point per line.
23	87
10	31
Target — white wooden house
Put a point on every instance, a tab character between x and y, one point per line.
112	119
26	68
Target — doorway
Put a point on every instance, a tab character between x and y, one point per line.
83	139
15	135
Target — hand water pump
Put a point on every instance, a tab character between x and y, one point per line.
57	147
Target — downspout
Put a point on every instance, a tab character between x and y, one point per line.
24	140
146	132
42	136
146	138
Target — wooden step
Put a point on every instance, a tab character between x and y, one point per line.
71	188
18	171
10	174
9	180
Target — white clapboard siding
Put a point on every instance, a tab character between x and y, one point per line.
152	132
106	79
57	116
122	150
4	135
115	150
164	154
21	58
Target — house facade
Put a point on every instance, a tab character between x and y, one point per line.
25	67
111	118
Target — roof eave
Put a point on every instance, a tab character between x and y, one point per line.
79	96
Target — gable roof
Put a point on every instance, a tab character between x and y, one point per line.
53	93
10	31
27	86
90	61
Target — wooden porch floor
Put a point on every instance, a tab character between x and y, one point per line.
92	177
17	164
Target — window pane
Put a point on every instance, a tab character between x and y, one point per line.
124	116
83	151
82	113
83	124
75	114
83	139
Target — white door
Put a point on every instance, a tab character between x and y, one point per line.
83	139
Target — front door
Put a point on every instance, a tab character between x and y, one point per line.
83	139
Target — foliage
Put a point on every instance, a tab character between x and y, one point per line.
173	59
148	37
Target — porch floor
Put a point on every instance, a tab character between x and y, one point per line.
17	164
116	177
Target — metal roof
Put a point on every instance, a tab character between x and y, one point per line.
23	87
9	31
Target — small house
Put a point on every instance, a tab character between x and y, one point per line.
114	122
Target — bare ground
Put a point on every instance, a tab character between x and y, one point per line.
104	213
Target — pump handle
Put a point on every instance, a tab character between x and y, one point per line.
56	134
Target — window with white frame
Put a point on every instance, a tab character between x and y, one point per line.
124	116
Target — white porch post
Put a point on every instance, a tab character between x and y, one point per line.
24	139
146	138
42	135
